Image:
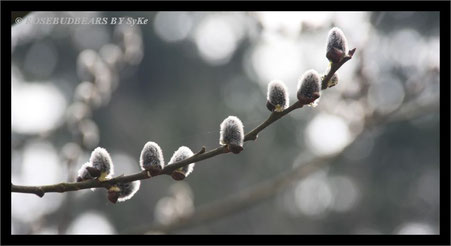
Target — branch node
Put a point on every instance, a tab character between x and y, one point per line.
201	151
351	52
236	149
40	192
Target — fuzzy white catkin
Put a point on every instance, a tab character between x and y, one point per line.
308	84
83	171
128	190
231	131
277	95
101	160
333	80
181	154
337	39
151	157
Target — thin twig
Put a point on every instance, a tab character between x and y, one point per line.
201	155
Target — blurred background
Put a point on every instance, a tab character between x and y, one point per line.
173	81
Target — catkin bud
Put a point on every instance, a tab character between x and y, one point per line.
181	154
277	96
152	158
231	133
337	45
86	172
309	88
123	191
101	160
331	83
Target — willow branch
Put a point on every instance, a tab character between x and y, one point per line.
199	156
268	188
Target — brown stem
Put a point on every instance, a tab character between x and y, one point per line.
252	135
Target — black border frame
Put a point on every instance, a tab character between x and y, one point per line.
442	239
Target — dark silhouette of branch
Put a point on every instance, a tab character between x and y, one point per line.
199	156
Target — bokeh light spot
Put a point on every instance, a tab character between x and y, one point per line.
327	134
172	26
36	107
91	223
